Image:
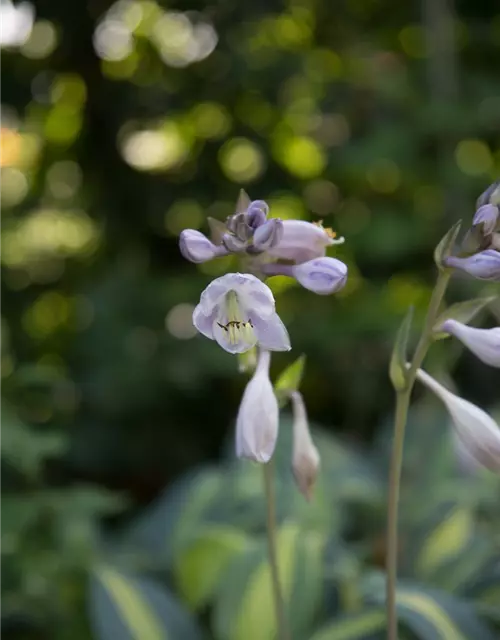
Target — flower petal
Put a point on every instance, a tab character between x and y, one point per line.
254	295
203	322
271	333
301	241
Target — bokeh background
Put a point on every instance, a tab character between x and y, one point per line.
124	123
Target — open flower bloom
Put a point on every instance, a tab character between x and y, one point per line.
301	241
238	311
258	416
484	343
478	432
484	265
305	457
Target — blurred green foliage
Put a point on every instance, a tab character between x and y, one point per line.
122	124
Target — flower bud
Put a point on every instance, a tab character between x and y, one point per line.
197	248
488	216
302	241
490	196
478	432
322	275
233	244
258	416
484	265
268	235
305	457
484	343
256	213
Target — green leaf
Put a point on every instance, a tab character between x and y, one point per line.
448	539
361	626
244	608
289	380
134	608
198	567
397	366
447	244
462	312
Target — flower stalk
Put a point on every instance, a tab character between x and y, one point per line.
271	526
403	397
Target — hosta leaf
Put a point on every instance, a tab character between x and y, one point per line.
198	567
366	625
449	538
169	522
132	608
244	608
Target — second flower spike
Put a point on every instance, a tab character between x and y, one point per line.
258	416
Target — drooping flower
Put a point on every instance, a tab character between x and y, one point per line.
305	457
197	248
484	265
484	343
238	311
258	416
320	275
477	430
302	241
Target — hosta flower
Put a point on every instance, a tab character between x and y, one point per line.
258	416
487	215
238	311
305	457
484	343
302	241
268	235
478	432
484	265
321	275
197	248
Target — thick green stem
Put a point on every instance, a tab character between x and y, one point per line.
401	415
283	633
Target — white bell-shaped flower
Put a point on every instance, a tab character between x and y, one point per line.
484	343
477	430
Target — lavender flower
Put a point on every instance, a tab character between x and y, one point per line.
302	241
484	265
484	343
258	416
305	457
238	311
268	235
478	432
321	275
197	248
487	215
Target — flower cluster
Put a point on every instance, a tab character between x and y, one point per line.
480	254
238	311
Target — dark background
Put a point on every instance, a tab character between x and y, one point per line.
124	123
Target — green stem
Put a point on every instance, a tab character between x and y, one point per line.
403	398
283	633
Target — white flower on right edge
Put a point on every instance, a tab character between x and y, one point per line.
477	430
484	343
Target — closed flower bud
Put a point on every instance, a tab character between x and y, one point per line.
488	216
268	235
490	196
302	241
484	343
322	275
258	416
484	265
478	432
233	244
256	214
305	457
197	248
